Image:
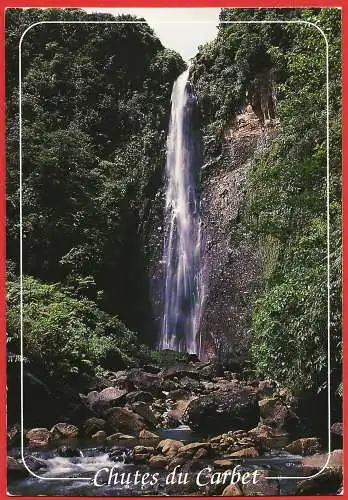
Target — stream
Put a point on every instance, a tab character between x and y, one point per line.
83	468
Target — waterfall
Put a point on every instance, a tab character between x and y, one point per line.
181	257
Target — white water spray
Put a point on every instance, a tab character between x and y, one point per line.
183	287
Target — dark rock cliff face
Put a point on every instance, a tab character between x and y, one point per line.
231	260
231	263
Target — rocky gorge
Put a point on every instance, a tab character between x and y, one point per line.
191	417
231	258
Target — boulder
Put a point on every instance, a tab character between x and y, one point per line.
172	419
93	425
64	431
230	442
183	488
250	452
304	446
34	463
337	428
96	383
16	469
145	411
146	435
168	385
114	358
169	447
276	414
107	398
119	379
142	450
210	386
141	459
99	437
178	409
158	462
193	447
138	379
175	461
90	398
267	437
193	464
74	408
143	396
235	409
38	438
124	420
225	385
201	453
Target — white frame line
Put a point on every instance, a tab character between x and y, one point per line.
308	23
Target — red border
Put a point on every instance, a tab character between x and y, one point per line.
157	3
174	3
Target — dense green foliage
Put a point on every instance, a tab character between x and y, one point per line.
286	199
64	336
225	70
290	318
95	102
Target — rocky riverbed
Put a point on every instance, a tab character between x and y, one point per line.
185	418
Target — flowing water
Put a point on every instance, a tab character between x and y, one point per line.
75	476
181	258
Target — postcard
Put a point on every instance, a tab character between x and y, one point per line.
173	250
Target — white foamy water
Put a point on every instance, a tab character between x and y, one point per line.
183	287
61	466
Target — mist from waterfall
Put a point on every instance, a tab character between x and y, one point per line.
182	241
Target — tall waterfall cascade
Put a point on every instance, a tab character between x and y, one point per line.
183	293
